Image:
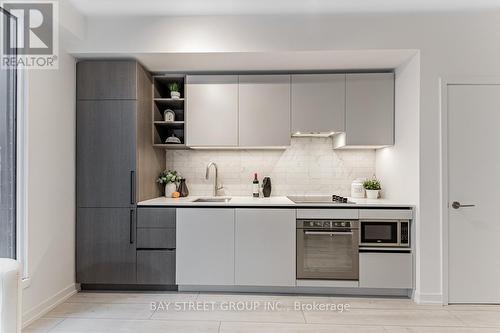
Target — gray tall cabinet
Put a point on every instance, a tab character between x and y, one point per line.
116	167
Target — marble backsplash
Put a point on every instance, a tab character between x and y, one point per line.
309	166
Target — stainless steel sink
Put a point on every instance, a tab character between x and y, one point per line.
213	200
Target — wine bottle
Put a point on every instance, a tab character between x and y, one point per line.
255	186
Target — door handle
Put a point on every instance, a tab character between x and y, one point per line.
132	187
132	233
457	205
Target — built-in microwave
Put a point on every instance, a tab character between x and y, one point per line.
389	233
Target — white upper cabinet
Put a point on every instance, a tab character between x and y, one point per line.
318	103
252	111
212	110
264	110
369	111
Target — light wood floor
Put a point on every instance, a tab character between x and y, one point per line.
132	312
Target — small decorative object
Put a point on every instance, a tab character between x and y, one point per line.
176	194
183	189
372	187
169	179
255	186
357	189
173	139
169	115
266	187
174	90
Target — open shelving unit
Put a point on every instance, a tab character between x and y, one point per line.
161	102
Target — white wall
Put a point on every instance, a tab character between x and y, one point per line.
51	186
449	44
51	175
398	166
309	166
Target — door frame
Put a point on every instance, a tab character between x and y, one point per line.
444	197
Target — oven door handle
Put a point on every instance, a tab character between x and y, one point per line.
332	233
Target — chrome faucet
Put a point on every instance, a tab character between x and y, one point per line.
216	180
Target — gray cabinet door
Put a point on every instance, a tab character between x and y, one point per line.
105	246
264	110
318	103
385	270
156	217
265	247
114	79
156	267
205	246
155	238
370	109
212	110
106	142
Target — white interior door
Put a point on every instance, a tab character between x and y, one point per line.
474	179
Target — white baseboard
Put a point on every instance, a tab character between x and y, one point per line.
41	309
428	298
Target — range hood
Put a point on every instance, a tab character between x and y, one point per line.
313	134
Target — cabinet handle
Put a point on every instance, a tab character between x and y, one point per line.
331	233
132	187
132	233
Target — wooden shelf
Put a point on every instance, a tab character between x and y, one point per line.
170	145
161	101
169	99
169	123
170	102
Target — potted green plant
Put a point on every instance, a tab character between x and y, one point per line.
169	179
174	90
372	187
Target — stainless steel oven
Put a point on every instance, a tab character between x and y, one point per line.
389	233
327	249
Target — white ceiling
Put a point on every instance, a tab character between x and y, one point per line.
259	7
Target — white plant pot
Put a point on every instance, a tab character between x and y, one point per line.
372	194
169	189
175	94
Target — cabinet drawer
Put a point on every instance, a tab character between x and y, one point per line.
385	270
327	214
156	267
156	217
156	238
397	214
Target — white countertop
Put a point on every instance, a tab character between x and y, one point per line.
266	202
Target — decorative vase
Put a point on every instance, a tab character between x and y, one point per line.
183	189
169	189
372	194
266	187
175	94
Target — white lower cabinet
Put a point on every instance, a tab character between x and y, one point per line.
265	247
205	246
243	247
257	247
385	270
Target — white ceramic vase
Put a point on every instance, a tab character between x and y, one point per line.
372	194
175	94
169	189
